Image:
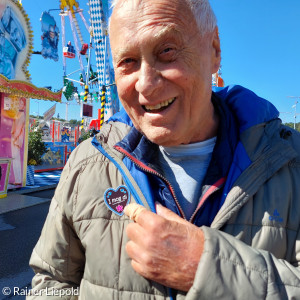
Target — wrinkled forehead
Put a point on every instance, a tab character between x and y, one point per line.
143	4
149	12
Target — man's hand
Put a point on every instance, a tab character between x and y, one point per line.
164	247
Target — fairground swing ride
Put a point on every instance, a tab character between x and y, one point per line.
217	80
89	80
103	77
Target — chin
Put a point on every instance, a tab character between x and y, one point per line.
161	137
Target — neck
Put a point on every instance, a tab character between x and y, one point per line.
211	126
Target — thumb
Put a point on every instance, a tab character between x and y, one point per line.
168	214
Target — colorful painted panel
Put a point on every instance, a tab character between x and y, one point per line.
65	134
15	41
54	157
12	136
50	36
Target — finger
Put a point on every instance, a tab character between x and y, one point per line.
133	211
141	215
135	252
151	271
150	220
145	266
138	267
135	232
168	214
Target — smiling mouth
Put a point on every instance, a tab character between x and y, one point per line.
158	107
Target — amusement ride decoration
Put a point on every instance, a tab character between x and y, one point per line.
96	85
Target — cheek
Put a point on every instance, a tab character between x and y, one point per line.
181	74
125	84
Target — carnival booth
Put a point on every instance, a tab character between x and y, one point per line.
15	93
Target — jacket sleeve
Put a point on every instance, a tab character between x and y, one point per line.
230	269
58	257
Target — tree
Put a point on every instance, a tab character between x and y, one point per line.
36	147
73	122
36	117
292	125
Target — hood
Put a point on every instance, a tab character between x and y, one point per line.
246	106
122	117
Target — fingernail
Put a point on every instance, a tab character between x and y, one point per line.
157	206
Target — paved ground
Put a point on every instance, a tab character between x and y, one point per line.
22	215
19	232
24	197
45	194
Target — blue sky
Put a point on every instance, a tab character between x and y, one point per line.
260	42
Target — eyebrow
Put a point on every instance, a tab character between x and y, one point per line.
167	29
120	52
161	34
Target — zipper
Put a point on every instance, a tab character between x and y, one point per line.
217	185
126	179
151	171
145	168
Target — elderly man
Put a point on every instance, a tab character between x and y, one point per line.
216	172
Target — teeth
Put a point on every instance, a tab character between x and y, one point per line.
159	105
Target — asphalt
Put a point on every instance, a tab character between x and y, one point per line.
26	196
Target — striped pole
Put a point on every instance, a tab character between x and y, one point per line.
82	123
102	104
53	131
86	92
58	131
75	135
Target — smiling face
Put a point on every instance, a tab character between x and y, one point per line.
163	70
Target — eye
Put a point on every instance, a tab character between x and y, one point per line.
126	65
167	50
127	61
167	54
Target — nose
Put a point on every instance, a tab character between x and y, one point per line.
149	79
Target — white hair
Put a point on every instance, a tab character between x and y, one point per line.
203	13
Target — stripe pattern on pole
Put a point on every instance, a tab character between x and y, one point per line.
98	22
103	90
86	92
82	124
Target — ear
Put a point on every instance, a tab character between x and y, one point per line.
216	51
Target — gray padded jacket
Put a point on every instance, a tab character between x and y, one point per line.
251	250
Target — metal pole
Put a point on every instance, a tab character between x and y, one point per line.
67	105
102	105
63	41
86	92
76	45
104	73
295	107
295	116
89	63
58	130
38	110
